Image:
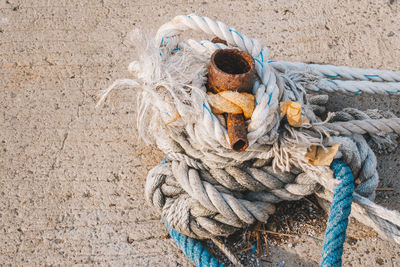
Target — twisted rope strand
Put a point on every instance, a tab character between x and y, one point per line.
371	126
335	233
356	87
341	72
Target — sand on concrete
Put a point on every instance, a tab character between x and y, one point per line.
72	177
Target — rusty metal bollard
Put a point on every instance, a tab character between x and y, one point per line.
233	70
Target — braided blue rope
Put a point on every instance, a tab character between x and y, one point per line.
339	211
193	249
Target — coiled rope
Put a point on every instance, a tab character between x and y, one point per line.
207	190
335	233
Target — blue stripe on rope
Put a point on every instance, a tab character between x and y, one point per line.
209	111
232	30
354	92
270	96
339	212
259	62
392	93
193	249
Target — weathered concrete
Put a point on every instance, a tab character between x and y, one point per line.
71	177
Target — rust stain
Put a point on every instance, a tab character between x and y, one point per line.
232	70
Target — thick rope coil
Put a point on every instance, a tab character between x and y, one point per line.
206	189
335	233
204	203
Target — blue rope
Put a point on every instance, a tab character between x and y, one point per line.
339	211
193	249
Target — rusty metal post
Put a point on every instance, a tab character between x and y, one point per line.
233	70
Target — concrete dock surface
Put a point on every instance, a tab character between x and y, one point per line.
72	176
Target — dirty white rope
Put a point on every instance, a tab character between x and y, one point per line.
341	72
206	189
